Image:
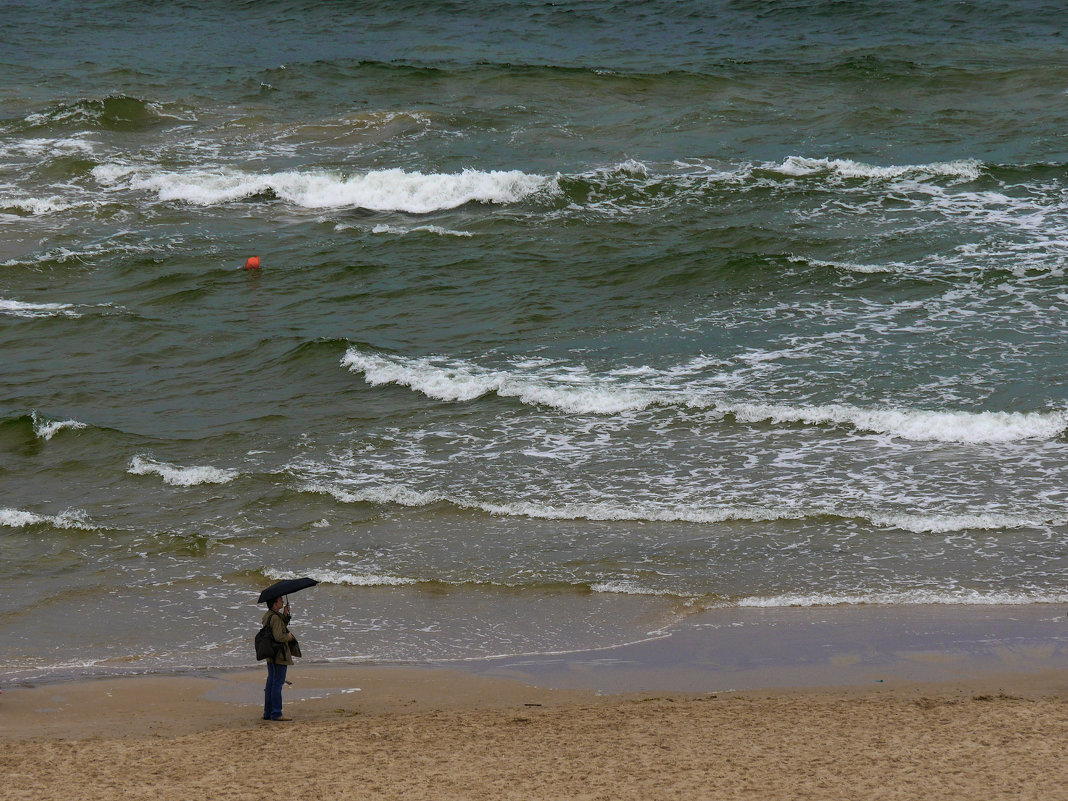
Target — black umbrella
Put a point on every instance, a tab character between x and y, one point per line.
285	587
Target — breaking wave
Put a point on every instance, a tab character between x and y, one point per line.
114	112
350	579
964	597
18	518
627	186
377	190
393	229
961	170
18	308
46	429
34	206
455	380
914	424
917	523
704	601
633	185
371	579
178	476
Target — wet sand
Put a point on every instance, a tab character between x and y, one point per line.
871	714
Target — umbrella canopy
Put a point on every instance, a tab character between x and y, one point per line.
285	587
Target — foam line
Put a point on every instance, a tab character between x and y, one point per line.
576	392
917	523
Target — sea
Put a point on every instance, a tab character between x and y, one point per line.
574	320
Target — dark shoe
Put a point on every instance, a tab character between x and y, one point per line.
281	718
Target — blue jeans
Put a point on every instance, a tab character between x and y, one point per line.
272	693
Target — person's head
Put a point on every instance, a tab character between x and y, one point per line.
275	604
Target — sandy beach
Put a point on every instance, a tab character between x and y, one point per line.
438	734
509	730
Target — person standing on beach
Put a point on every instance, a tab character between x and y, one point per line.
278	617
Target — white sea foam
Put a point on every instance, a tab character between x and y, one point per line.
893	268
18	308
112	174
950	596
17	518
37	206
62	255
350	579
576	391
918	522
388	493
830	168
393	229
37	147
964	597
964	169
370	579
945	523
638	512
404	496
630	167
657	186
181	476
627	588
378	190
914	424
46	429
456	380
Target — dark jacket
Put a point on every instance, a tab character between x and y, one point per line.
280	631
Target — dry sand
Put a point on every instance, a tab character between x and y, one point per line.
412	733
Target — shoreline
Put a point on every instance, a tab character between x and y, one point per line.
870	713
813	651
753	646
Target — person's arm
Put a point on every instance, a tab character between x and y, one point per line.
278	629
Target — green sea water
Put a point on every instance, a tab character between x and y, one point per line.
573	319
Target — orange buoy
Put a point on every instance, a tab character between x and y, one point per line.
253	263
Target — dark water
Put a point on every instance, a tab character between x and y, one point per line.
574	318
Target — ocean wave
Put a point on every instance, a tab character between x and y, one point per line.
635	185
941	523
35	206
629	588
456	380
113	112
373	579
62	255
980	428
346	578
393	229
18	518
701	600
621	188
178	476
796	166
891	268
46	429
378	190
406	496
579	392
38	147
18	308
963	597
916	522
